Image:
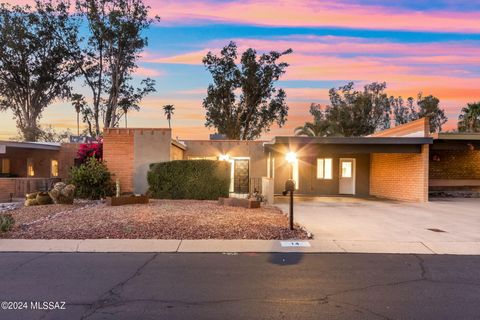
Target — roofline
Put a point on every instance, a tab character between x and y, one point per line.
179	144
32	145
456	136
351	140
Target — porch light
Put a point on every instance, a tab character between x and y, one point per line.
291	157
224	157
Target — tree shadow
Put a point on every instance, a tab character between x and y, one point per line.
285	259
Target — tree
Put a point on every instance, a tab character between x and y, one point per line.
260	104
168	109
34	69
429	106
320	127
469	118
107	56
358	113
403	112
78	102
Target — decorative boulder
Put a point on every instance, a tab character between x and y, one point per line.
43	198
31	196
31	202
62	193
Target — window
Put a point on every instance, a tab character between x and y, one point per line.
30	169
324	168
5	166
346	169
54	168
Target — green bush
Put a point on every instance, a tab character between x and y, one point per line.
189	179
92	180
6	222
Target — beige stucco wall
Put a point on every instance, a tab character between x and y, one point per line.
150	146
215	148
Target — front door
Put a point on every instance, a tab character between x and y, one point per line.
240	176
347	176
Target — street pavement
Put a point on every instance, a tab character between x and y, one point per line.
240	286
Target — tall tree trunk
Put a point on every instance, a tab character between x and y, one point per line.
78	123
126	124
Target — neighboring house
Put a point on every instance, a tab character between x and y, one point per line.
29	166
399	163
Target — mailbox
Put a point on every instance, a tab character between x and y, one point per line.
290	185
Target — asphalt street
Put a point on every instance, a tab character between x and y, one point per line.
239	286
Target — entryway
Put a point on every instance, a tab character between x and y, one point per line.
347	176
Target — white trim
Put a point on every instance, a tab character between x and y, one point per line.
354	173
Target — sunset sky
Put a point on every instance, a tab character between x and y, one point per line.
415	46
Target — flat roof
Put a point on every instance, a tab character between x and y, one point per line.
31	145
456	136
351	140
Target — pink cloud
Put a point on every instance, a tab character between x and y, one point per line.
314	13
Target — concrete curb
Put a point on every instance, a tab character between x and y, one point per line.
221	246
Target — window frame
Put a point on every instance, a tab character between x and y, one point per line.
324	175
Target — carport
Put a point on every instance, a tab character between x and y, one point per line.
385	167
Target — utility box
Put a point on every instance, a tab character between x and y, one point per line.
267	190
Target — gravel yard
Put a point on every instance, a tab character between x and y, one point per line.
160	219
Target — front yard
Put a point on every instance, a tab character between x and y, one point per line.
160	219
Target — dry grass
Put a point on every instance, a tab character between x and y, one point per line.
160	219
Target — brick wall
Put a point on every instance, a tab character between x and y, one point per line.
400	176
7	186
455	164
66	158
118	152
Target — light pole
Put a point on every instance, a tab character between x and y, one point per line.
291	158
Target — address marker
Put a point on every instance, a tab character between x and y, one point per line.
295	244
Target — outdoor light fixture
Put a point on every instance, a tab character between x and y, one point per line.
291	157
224	157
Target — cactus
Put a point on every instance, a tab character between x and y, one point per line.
117	185
6	222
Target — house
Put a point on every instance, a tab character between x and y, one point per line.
401	163
30	166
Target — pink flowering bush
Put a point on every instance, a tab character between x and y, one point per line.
90	150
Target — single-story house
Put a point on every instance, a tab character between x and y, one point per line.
30	166
401	163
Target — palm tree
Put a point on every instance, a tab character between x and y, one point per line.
469	118
78	102
310	129
168	109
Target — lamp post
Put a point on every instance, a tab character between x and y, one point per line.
291	158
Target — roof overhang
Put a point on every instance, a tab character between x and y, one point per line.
456	141
31	145
350	144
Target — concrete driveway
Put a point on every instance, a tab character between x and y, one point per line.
353	219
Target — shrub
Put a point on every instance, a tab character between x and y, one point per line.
6	222
88	150
189	179
92	180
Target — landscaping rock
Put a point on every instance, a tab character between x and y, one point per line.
31	202
62	193
43	198
31	196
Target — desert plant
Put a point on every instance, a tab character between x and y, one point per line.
89	150
92	180
6	222
189	179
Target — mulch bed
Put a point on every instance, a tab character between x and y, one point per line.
160	219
